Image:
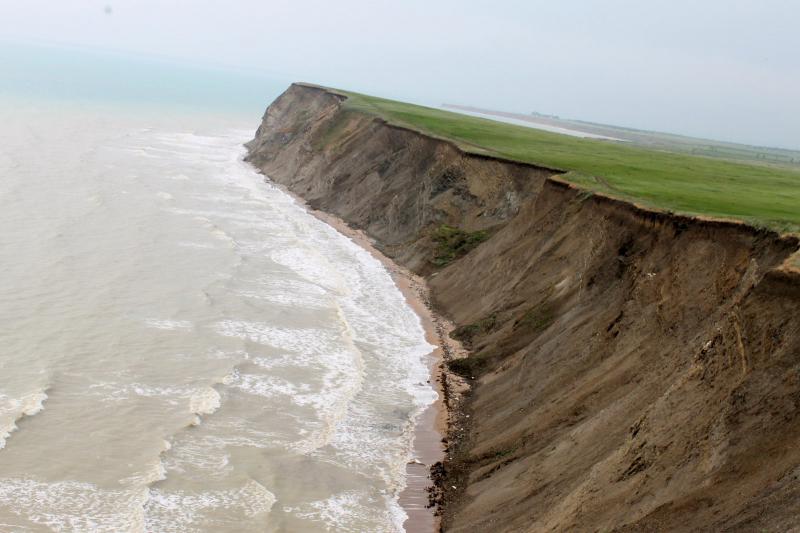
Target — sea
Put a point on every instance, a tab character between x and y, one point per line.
183	347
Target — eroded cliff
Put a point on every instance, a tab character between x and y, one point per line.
633	370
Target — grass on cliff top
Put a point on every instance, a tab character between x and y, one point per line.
758	194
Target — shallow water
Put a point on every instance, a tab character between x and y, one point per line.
183	347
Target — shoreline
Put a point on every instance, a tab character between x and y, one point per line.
432	427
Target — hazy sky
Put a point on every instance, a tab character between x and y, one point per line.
727	69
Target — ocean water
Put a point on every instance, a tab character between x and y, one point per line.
182	346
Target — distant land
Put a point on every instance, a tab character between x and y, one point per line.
651	139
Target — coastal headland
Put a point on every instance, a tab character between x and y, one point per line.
631	316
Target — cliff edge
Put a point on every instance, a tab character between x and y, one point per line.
632	370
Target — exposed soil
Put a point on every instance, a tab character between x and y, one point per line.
633	370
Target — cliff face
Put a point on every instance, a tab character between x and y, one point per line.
633	370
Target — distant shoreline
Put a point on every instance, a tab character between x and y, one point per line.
530	122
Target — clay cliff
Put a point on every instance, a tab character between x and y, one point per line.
631	370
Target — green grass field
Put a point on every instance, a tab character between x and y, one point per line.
760	195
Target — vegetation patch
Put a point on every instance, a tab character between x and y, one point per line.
452	243
469	367
478	362
536	319
465	334
499	454
334	133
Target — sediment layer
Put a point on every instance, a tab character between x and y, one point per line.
632	370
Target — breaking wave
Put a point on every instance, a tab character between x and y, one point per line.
12	410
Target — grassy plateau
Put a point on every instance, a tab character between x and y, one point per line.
760	195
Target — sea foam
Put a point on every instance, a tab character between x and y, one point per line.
12	410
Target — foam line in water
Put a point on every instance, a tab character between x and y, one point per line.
69	506
169	325
204	401
349	511
12	410
180	511
152	473
331	352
